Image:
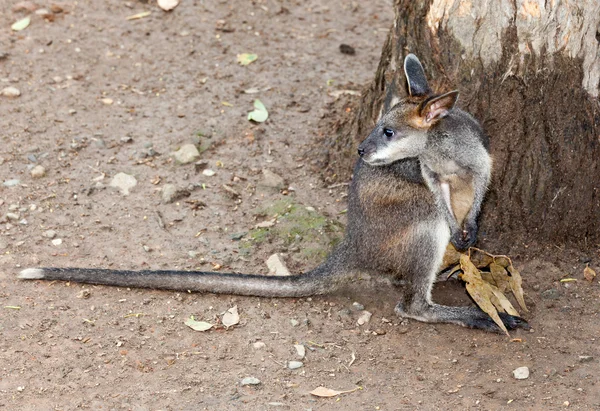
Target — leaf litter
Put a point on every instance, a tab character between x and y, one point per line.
488	277
197	325
260	113
328	392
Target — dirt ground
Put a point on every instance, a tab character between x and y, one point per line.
102	95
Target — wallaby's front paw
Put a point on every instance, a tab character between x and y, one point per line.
463	239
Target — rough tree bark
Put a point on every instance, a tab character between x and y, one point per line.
529	70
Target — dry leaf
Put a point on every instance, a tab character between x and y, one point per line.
231	317
138	15
246	58
197	325
21	24
516	285
479	290
327	392
500	277
588	273
167	5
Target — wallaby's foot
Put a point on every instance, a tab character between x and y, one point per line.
471	317
465	238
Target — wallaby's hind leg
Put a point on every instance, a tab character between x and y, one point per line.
420	275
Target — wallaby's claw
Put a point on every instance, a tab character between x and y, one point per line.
512	322
464	239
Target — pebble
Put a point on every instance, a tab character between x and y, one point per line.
11	183
300	350
294	365
57	242
123	182
208	172
188	153
170	193
551	294
521	373
277	266
272	180
193	254
586	358
49	234
10	92
250	381
12	216
38	171
259	345
294	322
364	318
358	306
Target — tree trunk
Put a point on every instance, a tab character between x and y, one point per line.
529	70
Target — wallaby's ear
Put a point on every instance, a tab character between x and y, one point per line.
415	76
438	107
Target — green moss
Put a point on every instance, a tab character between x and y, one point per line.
296	226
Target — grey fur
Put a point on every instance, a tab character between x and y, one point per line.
452	149
396	228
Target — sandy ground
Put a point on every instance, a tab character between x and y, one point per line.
102	95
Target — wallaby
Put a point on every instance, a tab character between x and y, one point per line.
453	153
396	228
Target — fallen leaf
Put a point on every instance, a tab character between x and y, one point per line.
21	24
265	224
138	15
226	104
480	291
197	325
259	114
167	5
246	58
252	90
328	392
516	285
231	317
589	274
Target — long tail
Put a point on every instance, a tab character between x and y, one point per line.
323	279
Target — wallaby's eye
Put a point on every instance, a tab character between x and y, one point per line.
388	132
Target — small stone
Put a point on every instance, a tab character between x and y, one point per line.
277	266
32	158
357	306
551	294
294	322
11	183
84	294
300	350
10	92
126	140
521	373
123	182
272	180
259	345
188	153
38	172
49	234
364	318
294	365
56	242
193	254
238	236
208	172
250	381
170	193
12	216
586	358
100	143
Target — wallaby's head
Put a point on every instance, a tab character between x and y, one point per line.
402	131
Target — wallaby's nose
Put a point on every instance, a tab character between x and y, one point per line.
361	151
